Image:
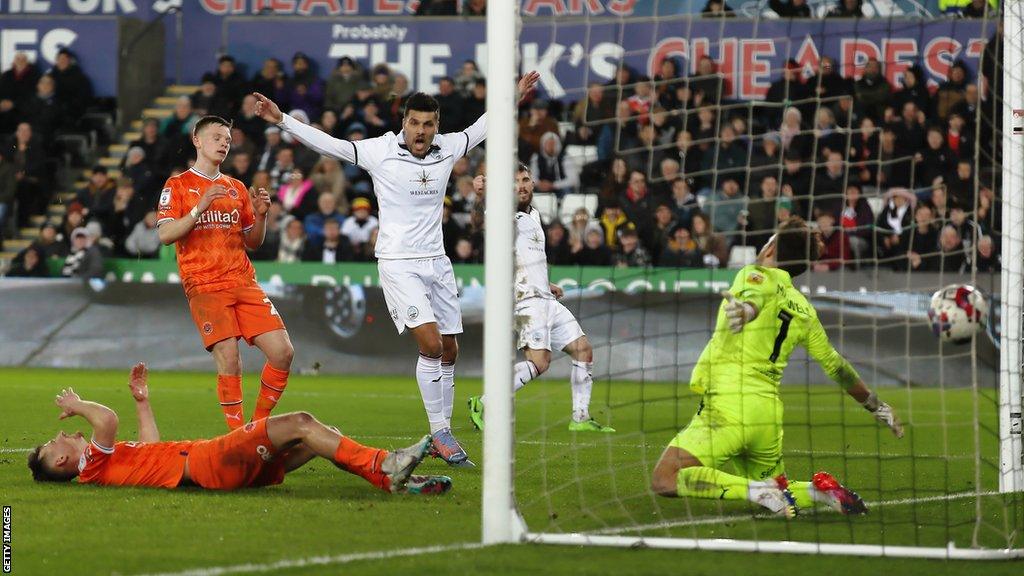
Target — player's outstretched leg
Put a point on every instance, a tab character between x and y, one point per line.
825	489
582	380
476	411
679	474
389	471
277	347
522	372
229	381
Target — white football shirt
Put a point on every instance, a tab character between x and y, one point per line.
531	276
410	191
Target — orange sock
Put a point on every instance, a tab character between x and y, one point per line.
362	460
272	385
229	391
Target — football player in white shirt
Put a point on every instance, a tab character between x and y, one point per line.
544	324
410	171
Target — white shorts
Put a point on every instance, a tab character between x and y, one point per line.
421	291
545	324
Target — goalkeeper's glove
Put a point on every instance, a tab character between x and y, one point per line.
738	313
884	414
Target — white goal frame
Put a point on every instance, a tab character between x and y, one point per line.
502	523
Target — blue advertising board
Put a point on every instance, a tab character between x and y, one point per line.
93	39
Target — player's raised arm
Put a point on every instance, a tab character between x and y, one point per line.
312	138
139	388
102	419
842	373
171	229
260	206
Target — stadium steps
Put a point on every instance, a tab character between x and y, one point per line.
181	90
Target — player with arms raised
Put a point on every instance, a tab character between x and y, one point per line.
410	171
761	321
213	219
255	455
544	324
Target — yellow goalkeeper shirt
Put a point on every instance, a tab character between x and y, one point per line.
752	362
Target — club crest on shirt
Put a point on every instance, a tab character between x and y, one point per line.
755	278
207	328
423	178
250	426
233	193
412	313
165	197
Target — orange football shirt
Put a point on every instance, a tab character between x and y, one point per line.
211	256
156	464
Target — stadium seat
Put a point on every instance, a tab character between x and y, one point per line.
581	154
547	205
740	256
573	202
877	204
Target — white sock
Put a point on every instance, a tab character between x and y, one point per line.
428	376
758	487
447	391
522	373
582	382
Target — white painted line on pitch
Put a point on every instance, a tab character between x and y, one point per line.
321	560
15	450
737	517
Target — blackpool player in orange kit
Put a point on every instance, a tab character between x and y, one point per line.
257	454
213	219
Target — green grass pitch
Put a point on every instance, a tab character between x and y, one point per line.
322	521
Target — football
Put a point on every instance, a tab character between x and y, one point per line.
957	312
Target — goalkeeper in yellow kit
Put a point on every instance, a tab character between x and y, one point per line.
762	319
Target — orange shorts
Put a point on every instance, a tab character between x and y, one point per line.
242	458
242	312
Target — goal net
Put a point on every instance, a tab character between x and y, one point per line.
688	138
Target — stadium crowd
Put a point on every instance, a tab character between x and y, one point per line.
683	176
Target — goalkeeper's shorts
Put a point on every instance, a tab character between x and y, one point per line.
744	431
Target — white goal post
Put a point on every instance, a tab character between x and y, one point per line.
501	520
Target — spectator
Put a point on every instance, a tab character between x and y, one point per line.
936	160
961	187
535	125
716	9
615	184
684	202
636	203
940	202
230	85
249	123
689	155
327	209
713	246
17	85
593	252
909	130
891	224
979	9
139	172
848	112
966	228
84	260
438	8
873	91
641	101
857	220
152	145
475	231
726	206
450	104
829	185
284	164
331	248
8	191
296	196
50	242
612	222
630	253
578	228
31	264
790	8
342	84
836	251
681	251
475	104
293	240
304	90
960	137
924	238
358	227
144	241
846	9
270	79
827	137
241	167
668	172
765	211
915	90
74	218
592	111
303	156
706	85
450	227
787	90
895	167
26	154
240	143
396	104
44	112
796	181
267	156
661	230
381	82
552	169
206	100
986	257
827	84
118	212
463	252
372	117
557	244
951	258
474	8
469	74
670	85
951	92
327	176
74	90
621	84
765	161
728	157
269	250
100	186
791	136
180	123
864	153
